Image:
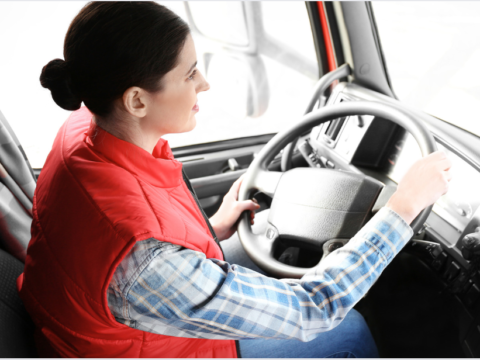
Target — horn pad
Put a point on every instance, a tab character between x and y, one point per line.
316	205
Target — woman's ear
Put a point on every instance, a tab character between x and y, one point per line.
135	101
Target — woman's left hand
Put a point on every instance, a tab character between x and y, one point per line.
225	221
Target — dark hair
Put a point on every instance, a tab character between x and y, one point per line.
111	46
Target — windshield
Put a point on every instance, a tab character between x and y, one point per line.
432	52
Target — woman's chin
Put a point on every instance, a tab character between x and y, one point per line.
191	125
187	127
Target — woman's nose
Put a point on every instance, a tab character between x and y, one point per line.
204	85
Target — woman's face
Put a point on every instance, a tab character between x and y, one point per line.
173	109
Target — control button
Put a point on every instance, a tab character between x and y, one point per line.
461	212
270	234
439	261
472	295
313	158
452	270
330	164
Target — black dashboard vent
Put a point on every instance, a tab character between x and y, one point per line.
334	128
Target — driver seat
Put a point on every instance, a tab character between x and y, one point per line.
17	184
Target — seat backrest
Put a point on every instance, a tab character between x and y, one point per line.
17	185
16	327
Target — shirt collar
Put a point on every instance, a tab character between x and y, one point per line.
159	168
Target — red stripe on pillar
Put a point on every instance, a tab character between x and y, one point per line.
326	37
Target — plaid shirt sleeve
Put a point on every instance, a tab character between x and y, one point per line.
169	290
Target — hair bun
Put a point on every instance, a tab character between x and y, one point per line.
56	78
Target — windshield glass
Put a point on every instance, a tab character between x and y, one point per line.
432	51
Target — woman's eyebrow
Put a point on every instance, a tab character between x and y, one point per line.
188	72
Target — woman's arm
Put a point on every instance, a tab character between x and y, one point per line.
181	293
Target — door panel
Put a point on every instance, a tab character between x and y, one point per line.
212	176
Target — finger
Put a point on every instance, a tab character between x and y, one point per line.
438	155
236	186
447	164
448	175
247	205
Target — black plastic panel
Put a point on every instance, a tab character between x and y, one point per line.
377	140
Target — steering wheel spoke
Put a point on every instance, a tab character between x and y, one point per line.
267	181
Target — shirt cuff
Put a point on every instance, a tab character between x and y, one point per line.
387	231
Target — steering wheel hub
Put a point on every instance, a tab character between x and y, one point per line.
313	206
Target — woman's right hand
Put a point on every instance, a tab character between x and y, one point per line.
423	184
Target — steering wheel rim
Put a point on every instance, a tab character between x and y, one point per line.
259	247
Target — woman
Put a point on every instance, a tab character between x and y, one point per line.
122	260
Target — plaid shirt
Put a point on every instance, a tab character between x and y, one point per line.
166	289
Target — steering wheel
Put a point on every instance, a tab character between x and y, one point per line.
313	206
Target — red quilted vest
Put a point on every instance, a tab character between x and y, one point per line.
96	197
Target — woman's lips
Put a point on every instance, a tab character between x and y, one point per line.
196	107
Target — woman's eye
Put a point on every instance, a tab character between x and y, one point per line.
192	75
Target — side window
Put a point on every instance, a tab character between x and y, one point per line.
260	61
259	58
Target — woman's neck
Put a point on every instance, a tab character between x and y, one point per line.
130	131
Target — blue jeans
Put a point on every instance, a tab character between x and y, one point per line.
351	338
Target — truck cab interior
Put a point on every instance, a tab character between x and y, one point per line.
333	117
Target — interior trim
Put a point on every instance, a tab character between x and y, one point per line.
368	69
312	10
207	148
342	30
